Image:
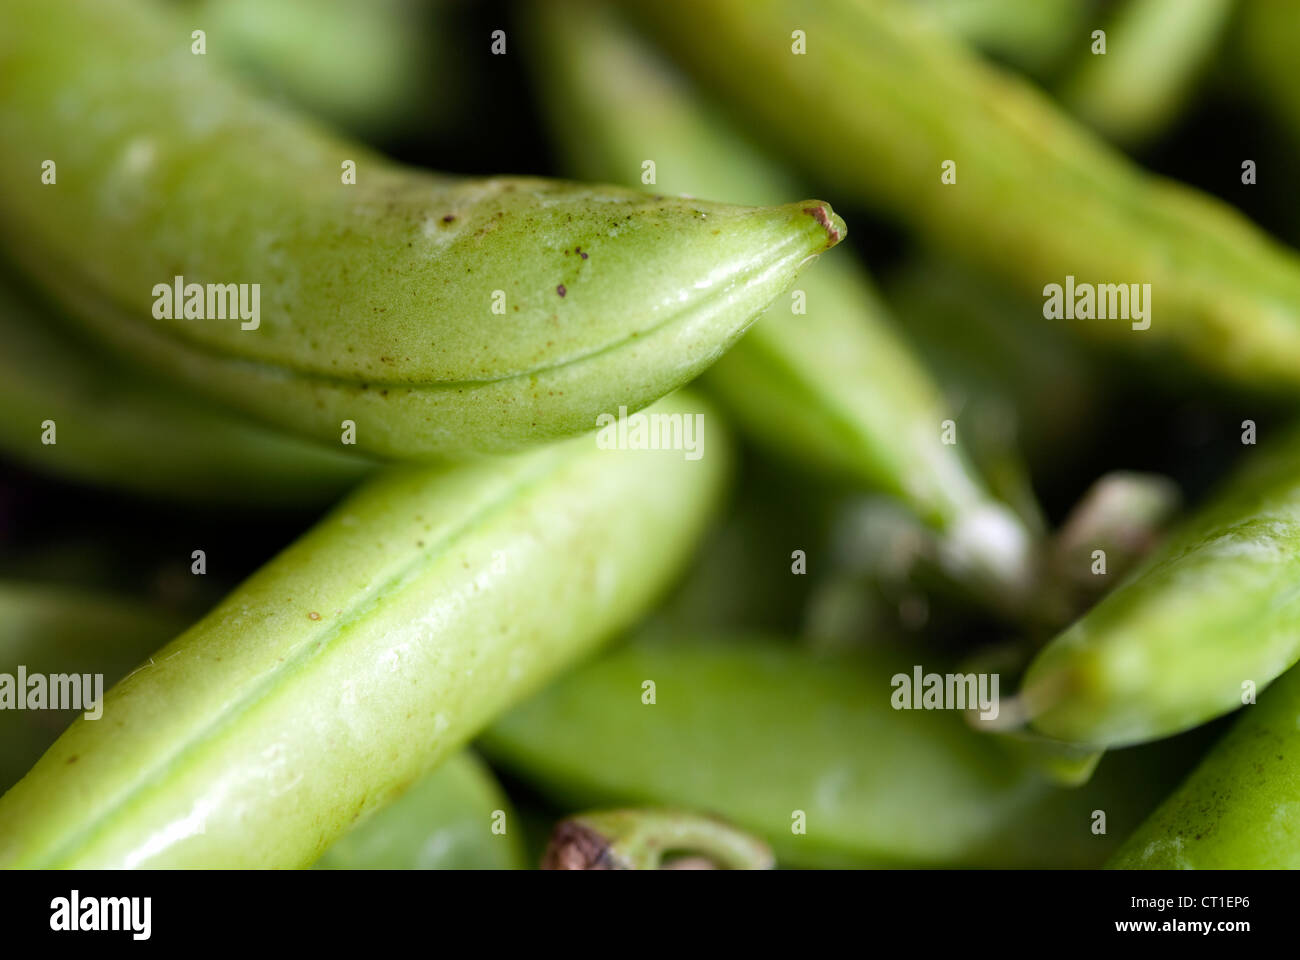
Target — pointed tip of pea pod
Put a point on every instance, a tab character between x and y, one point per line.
830	222
1060	694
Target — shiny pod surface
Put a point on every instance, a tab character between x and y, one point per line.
1209	617
441	316
367	651
1240	809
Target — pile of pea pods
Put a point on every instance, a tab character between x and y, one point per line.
607	501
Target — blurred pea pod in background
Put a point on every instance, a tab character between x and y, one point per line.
1032	35
769	736
369	66
822	379
455	818
49	630
1030	395
1155	52
983	166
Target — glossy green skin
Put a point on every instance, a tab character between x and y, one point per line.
376	298
883	100
1240	809
1215	606
117	428
371	648
54	629
834	389
753	729
1155	50
443	822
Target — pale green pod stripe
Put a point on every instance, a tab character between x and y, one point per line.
1240	809
1155	50
443	316
1210	616
773	738
881	101
48	630
831	386
113	427
363	654
445	821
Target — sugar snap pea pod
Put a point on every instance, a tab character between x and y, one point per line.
830	384
778	741
1154	51
363	654
1240	809
652	840
443	822
1034	35
440	316
53	630
1036	198
111	426
1209	615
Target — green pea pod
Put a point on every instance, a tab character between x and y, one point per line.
51	630
438	316
1034	35
809	754
1210	615
1154	50
363	654
823	380
1238	809
889	107
444	822
70	413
